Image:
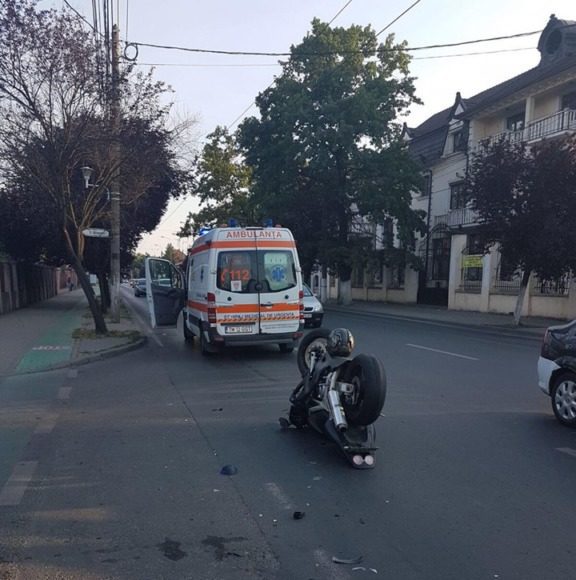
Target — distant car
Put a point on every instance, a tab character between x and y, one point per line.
313	310
140	287
557	371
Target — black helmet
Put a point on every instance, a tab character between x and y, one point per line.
340	342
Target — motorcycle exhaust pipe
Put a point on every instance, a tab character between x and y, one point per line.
337	411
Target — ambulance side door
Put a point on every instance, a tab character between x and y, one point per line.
165	292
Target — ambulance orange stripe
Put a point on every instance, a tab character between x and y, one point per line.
238	308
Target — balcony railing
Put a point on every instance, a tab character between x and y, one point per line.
555	124
456	217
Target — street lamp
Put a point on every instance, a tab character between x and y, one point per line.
86	174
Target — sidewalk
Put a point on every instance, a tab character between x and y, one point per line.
530	327
58	333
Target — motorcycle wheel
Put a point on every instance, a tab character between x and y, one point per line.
314	338
367	375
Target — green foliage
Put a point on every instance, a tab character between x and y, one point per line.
55	109
526	199
222	183
327	144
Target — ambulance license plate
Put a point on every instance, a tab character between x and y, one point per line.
243	329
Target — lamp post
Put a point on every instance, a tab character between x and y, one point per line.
114	198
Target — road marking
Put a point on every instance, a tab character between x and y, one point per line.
46	425
14	488
279	495
64	393
442	351
567	450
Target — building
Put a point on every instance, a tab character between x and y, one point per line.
537	104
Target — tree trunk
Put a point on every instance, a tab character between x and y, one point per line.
521	295
104	291
84	281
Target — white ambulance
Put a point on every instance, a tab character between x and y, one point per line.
243	286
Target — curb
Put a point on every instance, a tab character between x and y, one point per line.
534	335
109	352
82	360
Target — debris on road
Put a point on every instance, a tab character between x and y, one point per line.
229	470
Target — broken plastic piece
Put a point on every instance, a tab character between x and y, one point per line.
337	560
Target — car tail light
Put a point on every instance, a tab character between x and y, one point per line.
211	297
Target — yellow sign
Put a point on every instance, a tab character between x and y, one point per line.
472	261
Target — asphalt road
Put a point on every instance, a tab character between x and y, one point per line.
473	477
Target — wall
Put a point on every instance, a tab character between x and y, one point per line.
24	284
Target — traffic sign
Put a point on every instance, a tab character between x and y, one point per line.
96	233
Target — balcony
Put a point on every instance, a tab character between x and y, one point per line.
456	218
555	124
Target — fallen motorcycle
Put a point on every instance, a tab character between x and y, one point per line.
338	395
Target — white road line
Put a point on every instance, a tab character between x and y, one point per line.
46	425
64	393
567	450
442	351
279	495
14	488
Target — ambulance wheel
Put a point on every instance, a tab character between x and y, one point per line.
286	348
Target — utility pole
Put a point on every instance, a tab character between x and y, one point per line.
115	185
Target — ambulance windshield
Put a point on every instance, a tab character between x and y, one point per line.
255	271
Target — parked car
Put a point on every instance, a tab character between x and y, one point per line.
140	287
313	310
557	371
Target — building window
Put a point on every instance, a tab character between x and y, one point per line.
458	141
427	186
569	101
515	122
457	197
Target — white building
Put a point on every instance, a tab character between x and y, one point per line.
537	104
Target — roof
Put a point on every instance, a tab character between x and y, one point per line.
516	84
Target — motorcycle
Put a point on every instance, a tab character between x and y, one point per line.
339	395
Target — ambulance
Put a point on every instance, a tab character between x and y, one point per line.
242	286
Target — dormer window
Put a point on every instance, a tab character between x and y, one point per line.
553	42
458	141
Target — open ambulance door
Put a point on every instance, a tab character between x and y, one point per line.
165	292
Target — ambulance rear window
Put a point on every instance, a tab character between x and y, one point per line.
256	271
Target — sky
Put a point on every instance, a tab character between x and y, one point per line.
220	89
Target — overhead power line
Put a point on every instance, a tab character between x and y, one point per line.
340	11
326	53
398	18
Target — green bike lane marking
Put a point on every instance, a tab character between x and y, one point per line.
55	346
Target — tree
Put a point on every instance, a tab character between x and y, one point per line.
54	106
327	146
526	201
221	181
